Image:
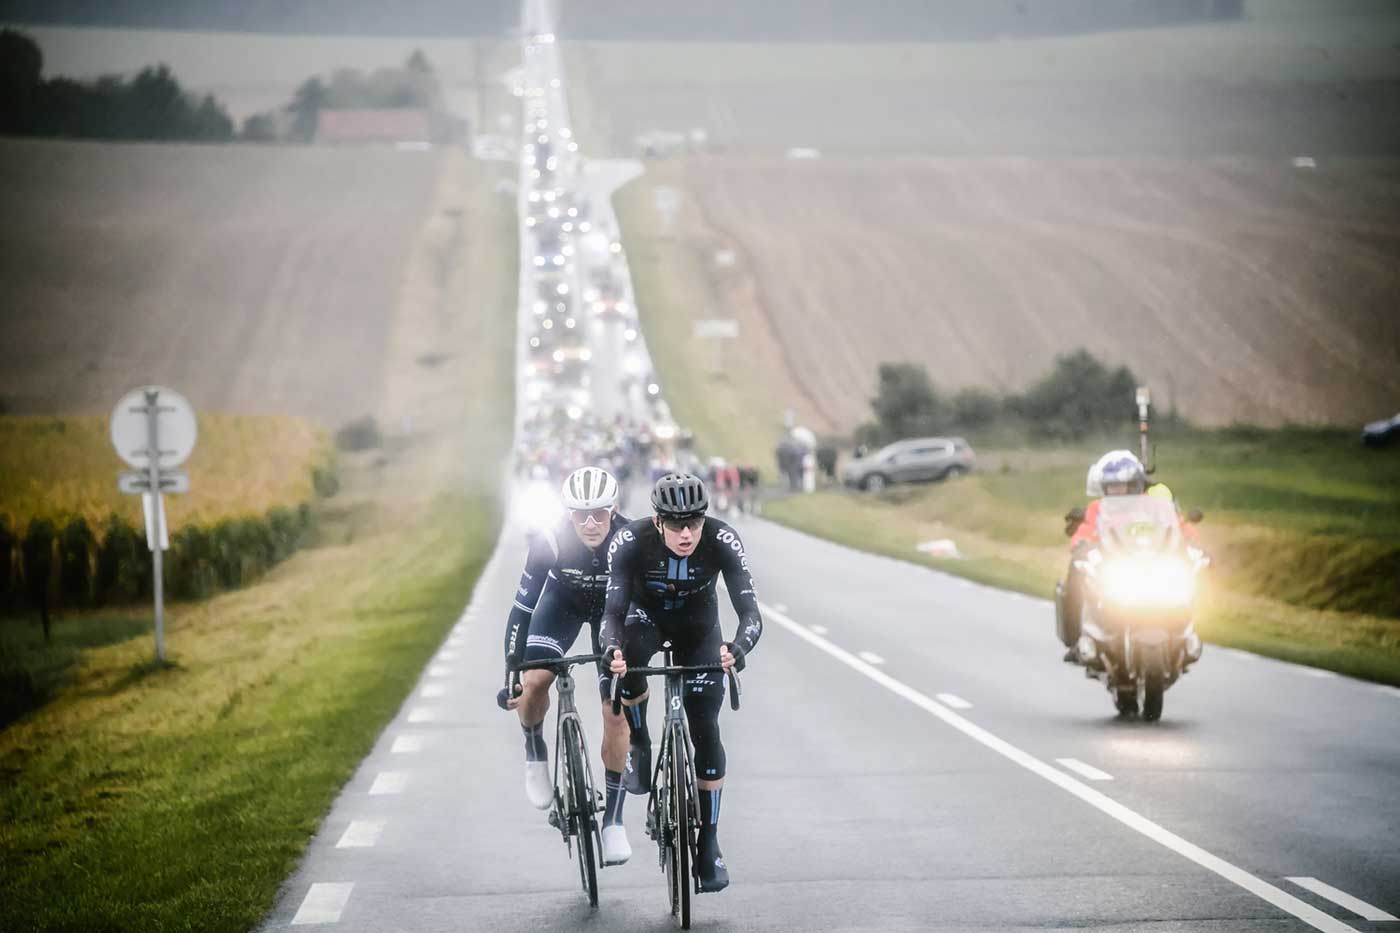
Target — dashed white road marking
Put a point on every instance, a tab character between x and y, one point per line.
1088	771
781	607
447	655
1342	899
324	903
361	834
407	745
1388	690
870	657
953	700
422	714
439	670
1241	654
819	629
432	690
1319	672
389	782
1105	804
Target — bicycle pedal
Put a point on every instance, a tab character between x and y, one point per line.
554	818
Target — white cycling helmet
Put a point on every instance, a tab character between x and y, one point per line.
589	488
1116	466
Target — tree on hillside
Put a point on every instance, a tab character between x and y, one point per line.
1079	397
21	70
905	405
305	108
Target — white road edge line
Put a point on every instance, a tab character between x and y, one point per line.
1084	770
820	629
431	691
361	834
1130	818
388	782
407	745
439	670
324	903
1343	899
953	700
870	657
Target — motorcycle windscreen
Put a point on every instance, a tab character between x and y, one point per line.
1140	522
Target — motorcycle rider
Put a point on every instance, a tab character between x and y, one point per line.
1116	473
563	586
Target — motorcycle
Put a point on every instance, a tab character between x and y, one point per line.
1140	579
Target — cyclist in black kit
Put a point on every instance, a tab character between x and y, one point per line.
563	587
661	586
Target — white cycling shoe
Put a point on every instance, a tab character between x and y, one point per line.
539	784
616	848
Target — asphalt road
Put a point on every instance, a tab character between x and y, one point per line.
911	754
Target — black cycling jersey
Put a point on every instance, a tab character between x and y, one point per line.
577	577
679	592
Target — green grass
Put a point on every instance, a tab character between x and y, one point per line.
1303	526
150	798
180	796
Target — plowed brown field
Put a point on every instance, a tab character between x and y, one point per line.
1241	290
250	278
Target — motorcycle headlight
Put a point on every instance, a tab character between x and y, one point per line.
1148	581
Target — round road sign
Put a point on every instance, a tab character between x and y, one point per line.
175	427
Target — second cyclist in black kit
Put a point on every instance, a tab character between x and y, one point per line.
562	589
662	575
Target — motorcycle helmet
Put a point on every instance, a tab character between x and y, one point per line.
1117	467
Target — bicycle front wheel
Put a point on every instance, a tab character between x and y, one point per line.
682	843
585	810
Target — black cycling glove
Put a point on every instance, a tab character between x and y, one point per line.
738	653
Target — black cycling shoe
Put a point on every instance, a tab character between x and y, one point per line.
709	863
636	777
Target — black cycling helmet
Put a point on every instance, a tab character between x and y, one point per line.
679	495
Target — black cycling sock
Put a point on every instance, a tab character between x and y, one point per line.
612	810
535	749
709	808
637	721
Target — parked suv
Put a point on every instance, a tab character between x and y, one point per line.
913	460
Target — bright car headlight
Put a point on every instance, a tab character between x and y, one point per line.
1149	581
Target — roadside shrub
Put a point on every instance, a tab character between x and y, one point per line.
325	481
975	408
123	564
7	565
1079	397
284	526
37	552
75	547
360	434
189	573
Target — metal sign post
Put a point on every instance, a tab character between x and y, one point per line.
1144	401
154	429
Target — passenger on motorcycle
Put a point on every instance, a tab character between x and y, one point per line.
564	586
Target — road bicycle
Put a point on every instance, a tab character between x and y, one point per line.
575	809
672	807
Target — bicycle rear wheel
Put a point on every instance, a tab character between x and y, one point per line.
585	809
678	867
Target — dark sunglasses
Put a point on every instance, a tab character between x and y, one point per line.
677	525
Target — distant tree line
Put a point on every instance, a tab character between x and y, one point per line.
150	106
414	86
1079	397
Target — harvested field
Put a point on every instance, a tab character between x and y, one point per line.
1287	80
1240	290
253	279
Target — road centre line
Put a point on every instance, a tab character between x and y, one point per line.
953	700
361	834
1342	899
323	903
1105	804
1088	771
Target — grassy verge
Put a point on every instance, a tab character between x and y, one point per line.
180	797
1304	527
